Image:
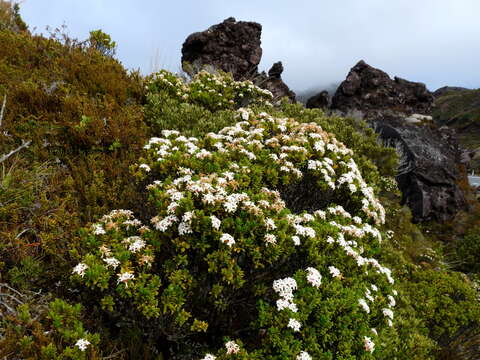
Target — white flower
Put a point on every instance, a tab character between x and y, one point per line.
270	224
294	324
296	240
284	287
145	167
391	300
368	344
82	344
314	277
335	272
138	244
80	269
215	222
227	239
303	356
98	229
364	305
232	347
270	239
286	304
208	198
184	228
209	357
111	261
171	208
125	277
374	331
388	313
230	206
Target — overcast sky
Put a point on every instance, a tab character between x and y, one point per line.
432	41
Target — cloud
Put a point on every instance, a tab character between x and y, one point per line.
432	41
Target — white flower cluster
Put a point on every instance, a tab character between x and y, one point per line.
314	277
80	269
212	84
304	356
284	288
120	220
285	146
369	344
247	139
232	347
82	344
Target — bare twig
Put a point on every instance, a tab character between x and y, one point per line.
113	356
24	144
2	285
3	108
22	232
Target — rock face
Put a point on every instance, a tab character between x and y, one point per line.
372	91
430	169
321	100
274	83
234	46
428	174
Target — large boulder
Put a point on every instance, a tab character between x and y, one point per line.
321	100
430	172
234	46
373	92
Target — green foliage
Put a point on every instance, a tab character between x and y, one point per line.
468	251
56	334
102	42
10	18
211	273
211	91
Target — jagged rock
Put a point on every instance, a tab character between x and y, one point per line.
429	171
321	100
274	83
373	92
447	89
234	46
276	70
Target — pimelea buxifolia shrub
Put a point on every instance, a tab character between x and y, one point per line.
227	261
213	92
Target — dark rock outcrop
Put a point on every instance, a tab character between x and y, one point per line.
276	70
274	83
234	46
372	91
322	101
429	173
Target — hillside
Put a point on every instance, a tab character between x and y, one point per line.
165	217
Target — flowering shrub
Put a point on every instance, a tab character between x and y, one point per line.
212	91
226	256
57	333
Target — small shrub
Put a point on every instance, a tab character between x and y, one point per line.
57	333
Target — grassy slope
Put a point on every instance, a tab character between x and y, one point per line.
461	110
